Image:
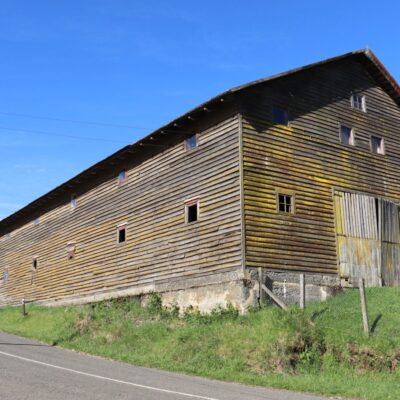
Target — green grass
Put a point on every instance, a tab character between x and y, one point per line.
321	349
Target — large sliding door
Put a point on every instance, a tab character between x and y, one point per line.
368	239
390	244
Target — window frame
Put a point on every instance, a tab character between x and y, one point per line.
363	102
189	203
187	148
292	196
122	181
71	250
5	275
73	202
383	144
352	138
122	227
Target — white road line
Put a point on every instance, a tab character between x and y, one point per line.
193	396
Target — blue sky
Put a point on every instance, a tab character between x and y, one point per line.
80	79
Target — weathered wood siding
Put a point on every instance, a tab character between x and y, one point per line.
159	246
307	159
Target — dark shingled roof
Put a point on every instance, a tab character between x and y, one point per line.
365	56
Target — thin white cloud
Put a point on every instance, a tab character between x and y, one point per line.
31	168
10	206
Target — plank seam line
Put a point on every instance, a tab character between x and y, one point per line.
107	378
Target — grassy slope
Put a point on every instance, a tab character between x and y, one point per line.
320	350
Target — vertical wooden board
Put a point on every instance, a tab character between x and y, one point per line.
338	213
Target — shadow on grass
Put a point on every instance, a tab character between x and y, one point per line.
375	323
317	314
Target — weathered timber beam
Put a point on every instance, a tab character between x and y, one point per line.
280	303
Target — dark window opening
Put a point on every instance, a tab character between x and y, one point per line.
358	102
346	135
121	234
377	145
192	212
122	178
280	116
191	142
34	263
285	203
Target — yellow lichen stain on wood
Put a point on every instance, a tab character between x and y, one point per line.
309	159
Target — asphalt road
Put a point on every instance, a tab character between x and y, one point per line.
33	371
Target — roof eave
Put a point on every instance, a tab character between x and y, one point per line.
380	73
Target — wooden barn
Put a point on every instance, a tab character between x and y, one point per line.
295	173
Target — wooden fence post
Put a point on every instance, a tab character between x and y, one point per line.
302	291
260	282
364	308
24	314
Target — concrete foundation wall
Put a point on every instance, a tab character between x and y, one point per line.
204	294
240	294
243	293
220	290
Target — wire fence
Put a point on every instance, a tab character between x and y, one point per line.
373	312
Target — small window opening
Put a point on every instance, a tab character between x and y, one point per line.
191	142
377	145
122	177
34	263
358	102
285	203
121	233
5	275
71	250
280	116
36	221
73	202
192	211
346	135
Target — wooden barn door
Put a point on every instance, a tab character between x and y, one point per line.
368	239
390	244
358	237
